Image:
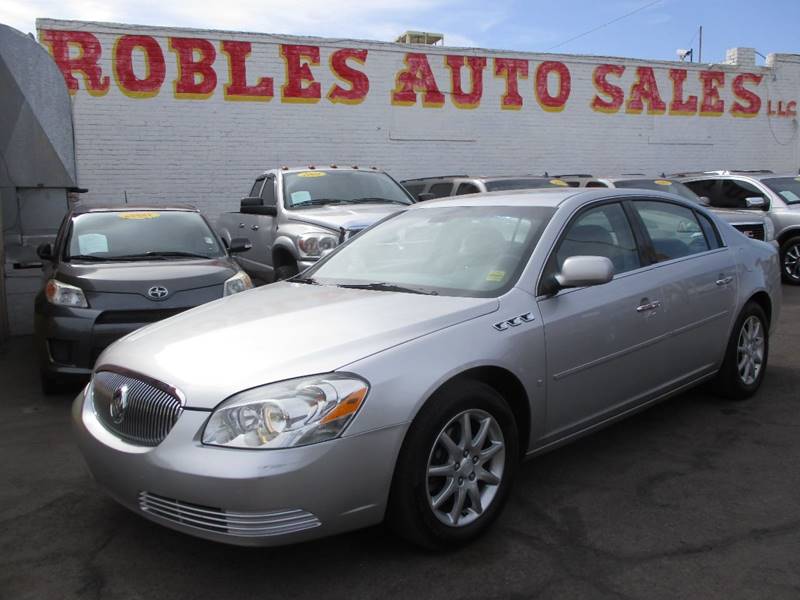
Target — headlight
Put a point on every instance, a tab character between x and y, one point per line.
314	245
291	413
238	283
63	294
769	229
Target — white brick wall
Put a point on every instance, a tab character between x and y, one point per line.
207	152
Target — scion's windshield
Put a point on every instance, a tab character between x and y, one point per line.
527	183
476	251
660	185
141	235
317	187
787	188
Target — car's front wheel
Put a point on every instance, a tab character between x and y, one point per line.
746	356
285	271
456	467
790	261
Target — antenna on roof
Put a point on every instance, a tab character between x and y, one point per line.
126	195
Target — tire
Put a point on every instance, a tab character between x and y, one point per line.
410	513
731	382
790	261
285	272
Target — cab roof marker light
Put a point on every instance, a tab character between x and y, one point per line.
311	167
284	168
355	166
334	166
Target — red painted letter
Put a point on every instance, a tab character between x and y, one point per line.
458	96
237	88
417	77
712	105
614	92
753	100
191	67
546	101
155	69
298	73
679	106
85	63
645	90
358	80
511	69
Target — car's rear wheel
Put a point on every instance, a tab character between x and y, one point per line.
790	260
746	356
456	467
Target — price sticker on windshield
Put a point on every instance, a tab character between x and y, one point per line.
312	174
496	276
559	182
139	215
662	182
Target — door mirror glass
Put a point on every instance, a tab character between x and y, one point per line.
580	271
754	202
45	251
239	245
255	206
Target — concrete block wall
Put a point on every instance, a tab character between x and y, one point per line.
205	149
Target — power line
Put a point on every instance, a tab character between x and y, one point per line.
626	15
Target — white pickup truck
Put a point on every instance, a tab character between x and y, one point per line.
294	216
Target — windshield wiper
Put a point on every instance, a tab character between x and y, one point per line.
386	287
316	202
159	254
87	257
308	280
376	199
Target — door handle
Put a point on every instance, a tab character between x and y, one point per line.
724	280
647	306
241	225
254	228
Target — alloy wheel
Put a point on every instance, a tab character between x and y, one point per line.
465	468
791	262
750	350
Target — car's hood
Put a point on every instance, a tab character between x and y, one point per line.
139	276
347	216
281	331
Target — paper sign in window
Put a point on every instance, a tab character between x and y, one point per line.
301	196
92	243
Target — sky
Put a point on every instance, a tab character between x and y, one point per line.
650	29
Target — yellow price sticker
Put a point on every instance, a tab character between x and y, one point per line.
496	276
139	215
312	174
559	182
662	182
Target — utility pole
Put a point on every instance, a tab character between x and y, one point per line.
700	53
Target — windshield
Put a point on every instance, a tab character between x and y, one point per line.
788	188
141	234
476	251
312	188
660	185
530	183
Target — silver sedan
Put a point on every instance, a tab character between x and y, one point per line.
407	374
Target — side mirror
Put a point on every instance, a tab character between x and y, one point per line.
425	196
254	206
239	245
755	202
45	251
580	271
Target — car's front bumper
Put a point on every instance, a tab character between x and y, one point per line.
244	497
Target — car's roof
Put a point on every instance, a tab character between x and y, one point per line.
759	175
546	197
477	177
314	167
83	209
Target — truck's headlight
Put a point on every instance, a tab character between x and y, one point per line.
315	245
291	413
769	229
63	294
238	283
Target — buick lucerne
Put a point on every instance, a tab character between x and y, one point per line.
406	374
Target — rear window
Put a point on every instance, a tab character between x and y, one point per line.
788	188
660	185
528	183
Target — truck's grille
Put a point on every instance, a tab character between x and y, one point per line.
217	520
139	411
754	231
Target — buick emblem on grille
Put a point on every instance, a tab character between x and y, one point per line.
158	292
119	403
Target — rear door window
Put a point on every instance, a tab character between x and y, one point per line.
440	190
674	230
414	189
467	188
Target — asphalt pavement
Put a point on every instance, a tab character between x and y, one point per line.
694	498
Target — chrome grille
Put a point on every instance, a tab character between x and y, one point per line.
150	411
217	520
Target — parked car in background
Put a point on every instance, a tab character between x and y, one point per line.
405	375
294	216
758	192
752	224
113	270
428	188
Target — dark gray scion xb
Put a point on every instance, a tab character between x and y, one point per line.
114	270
